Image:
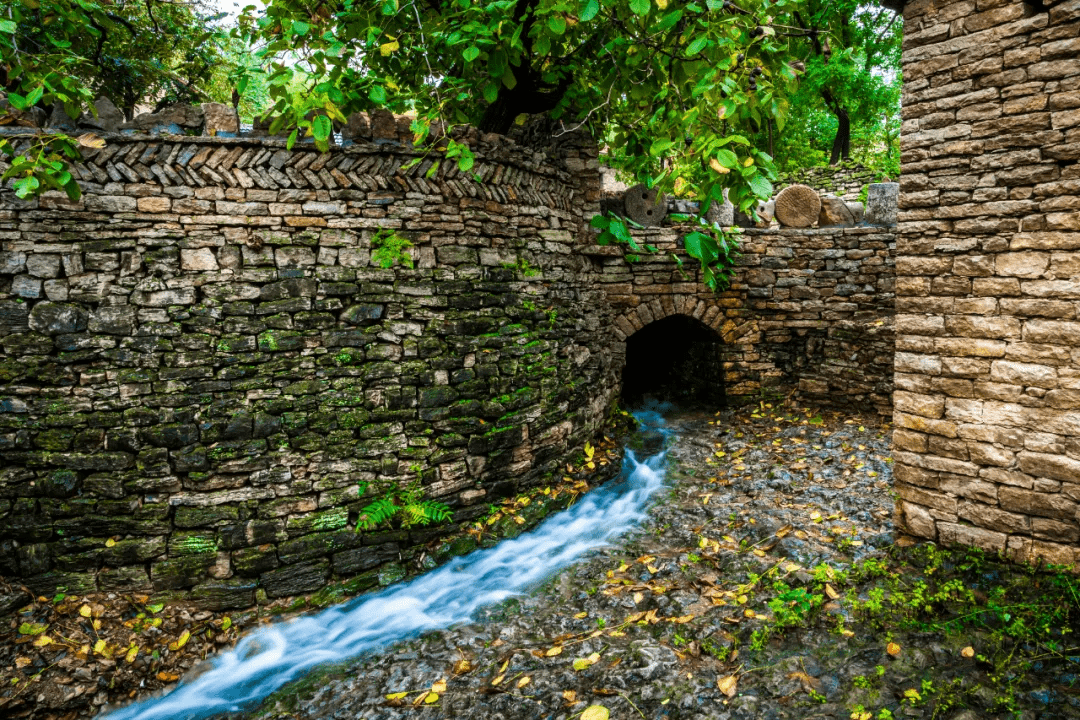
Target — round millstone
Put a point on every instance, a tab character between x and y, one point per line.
798	206
645	206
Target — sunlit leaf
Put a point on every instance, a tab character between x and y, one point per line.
595	712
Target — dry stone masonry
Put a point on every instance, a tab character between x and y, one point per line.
988	277
205	363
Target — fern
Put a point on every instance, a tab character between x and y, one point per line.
406	504
381	511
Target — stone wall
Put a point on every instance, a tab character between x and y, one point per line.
204	365
845	180
809	310
988	277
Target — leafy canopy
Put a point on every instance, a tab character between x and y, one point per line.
59	55
673	88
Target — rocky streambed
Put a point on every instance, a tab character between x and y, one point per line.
764	582
661	624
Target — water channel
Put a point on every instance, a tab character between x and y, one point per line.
270	657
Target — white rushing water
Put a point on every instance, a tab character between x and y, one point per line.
272	656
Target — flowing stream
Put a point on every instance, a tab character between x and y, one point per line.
270	657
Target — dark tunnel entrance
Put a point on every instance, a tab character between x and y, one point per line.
677	358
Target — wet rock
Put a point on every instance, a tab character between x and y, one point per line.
296	579
225	594
56	318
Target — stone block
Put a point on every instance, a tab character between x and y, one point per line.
296	579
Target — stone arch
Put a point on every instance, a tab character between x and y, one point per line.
671	354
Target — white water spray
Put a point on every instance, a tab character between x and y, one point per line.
270	657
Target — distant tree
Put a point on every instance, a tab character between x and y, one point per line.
852	56
67	52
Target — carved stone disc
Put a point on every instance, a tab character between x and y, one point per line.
644	206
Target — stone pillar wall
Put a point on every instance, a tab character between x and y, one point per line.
988	277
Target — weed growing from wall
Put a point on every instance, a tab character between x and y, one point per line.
388	249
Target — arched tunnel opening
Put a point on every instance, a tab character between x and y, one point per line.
677	358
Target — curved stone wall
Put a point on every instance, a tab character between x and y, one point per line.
203	364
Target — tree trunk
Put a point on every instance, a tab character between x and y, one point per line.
841	147
524	98
499	116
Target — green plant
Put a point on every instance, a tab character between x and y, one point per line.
388	248
407	504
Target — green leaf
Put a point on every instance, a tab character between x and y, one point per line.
321	127
471	53
620	231
7	26
17	101
701	246
32	628
592	7
300	27
599	222
660	146
727	158
491	92
292	139
640	7
377	94
26	186
698	45
557	24
761	186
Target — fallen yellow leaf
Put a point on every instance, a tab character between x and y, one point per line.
439	687
524	681
968	652
595	712
728	685
893	649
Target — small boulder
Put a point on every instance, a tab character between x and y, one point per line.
722	214
834	213
106	117
60	120
383	126
357	127
175	119
220	119
857	211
